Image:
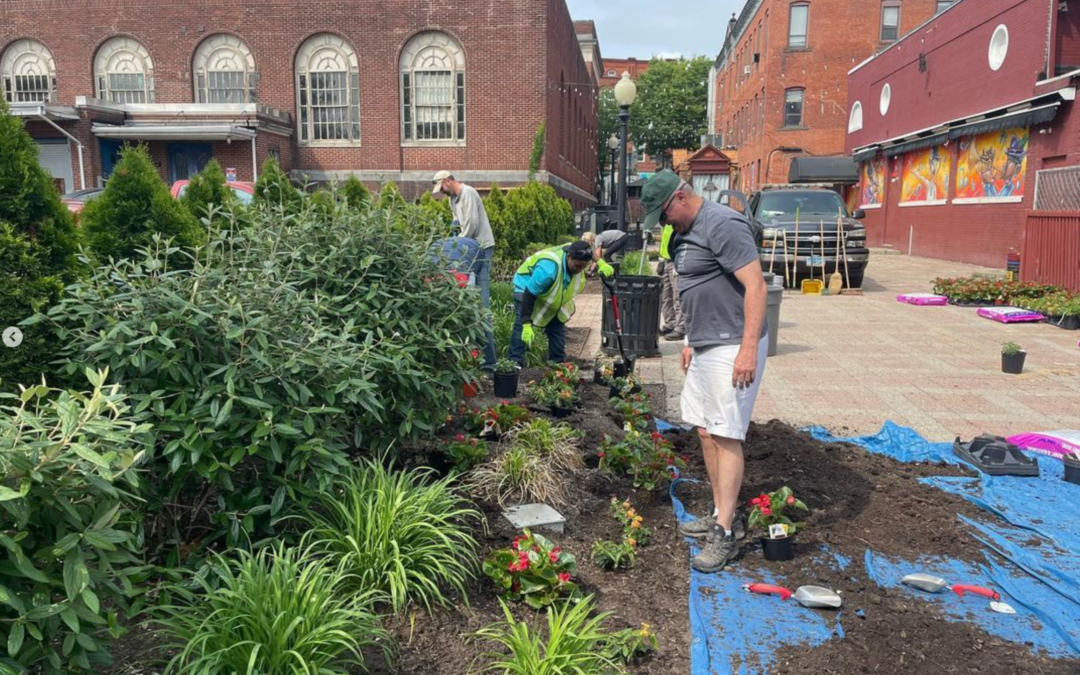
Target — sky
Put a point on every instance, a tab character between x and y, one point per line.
647	28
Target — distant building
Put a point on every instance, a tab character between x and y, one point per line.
381	91
590	49
779	86
966	134
614	68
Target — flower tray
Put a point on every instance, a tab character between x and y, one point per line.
1064	322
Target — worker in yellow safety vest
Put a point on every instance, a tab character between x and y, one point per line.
544	289
672	323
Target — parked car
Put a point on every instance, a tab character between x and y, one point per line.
75	201
773	211
245	192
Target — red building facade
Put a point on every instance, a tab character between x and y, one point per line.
964	125
383	91
780	81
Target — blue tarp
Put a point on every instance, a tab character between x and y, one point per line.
1032	557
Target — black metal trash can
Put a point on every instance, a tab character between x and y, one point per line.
639	309
633	241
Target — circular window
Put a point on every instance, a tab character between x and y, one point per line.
886	99
999	47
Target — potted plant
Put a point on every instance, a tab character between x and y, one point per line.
559	397
624	386
767	514
1012	358
506	378
1072	468
471	363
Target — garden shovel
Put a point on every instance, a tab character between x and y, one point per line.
618	322
814	597
995	598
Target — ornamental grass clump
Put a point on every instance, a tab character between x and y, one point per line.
281	611
552	442
402	533
518	476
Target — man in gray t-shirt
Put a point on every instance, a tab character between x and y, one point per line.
723	295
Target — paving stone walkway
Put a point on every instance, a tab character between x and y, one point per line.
849	363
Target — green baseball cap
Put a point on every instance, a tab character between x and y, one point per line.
656	191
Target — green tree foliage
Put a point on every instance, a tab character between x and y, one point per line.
537	156
534	213
356	195
390	196
284	346
207	189
437	209
135	206
274	189
670	112
71	541
38	252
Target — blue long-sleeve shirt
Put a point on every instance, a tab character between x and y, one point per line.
542	278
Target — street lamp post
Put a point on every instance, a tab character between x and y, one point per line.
613	145
625	93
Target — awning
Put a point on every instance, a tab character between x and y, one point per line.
863	155
174	132
835	169
916	144
50	111
1022	118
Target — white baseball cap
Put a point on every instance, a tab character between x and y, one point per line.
438	180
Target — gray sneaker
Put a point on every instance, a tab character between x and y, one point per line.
699	528
719	550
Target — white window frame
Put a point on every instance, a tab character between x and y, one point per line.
806	26
886	6
427	53
855	119
327	55
25	60
123	57
223	56
802	108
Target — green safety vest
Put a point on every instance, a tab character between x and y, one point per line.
665	241
557	300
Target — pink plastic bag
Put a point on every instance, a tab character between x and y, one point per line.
1009	314
922	299
1056	444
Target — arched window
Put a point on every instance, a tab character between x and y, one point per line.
433	89
224	71
855	119
124	72
328	91
28	72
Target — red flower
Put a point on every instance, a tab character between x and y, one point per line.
475	354
657	436
564	577
514	567
517	541
766	511
791	500
755	501
601	454
459	437
504	402
553	557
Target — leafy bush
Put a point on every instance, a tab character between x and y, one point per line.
628	644
502	308
402	533
277	612
496	420
646	459
135	206
532	213
357	196
536	158
612	555
283	346
38	253
556	443
554	394
274	189
437	209
575	644
1054	305
635	411
533	570
636	263
207	189
634	531
984	290
68	465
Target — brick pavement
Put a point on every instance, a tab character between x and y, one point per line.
849	363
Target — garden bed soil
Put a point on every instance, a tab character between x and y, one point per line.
858	501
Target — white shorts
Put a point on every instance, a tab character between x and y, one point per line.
711	402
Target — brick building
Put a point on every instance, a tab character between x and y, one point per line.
614	68
380	90
965	130
779	85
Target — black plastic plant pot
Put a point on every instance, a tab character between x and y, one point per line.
778	550
621	369
561	413
1013	364
506	385
1072	470
598	376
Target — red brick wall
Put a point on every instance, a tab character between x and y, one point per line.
508	68
571	142
635	67
841	34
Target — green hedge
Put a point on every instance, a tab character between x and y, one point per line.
533	213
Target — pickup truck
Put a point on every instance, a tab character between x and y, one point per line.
773	211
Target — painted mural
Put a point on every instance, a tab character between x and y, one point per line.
926	176
872	184
992	165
